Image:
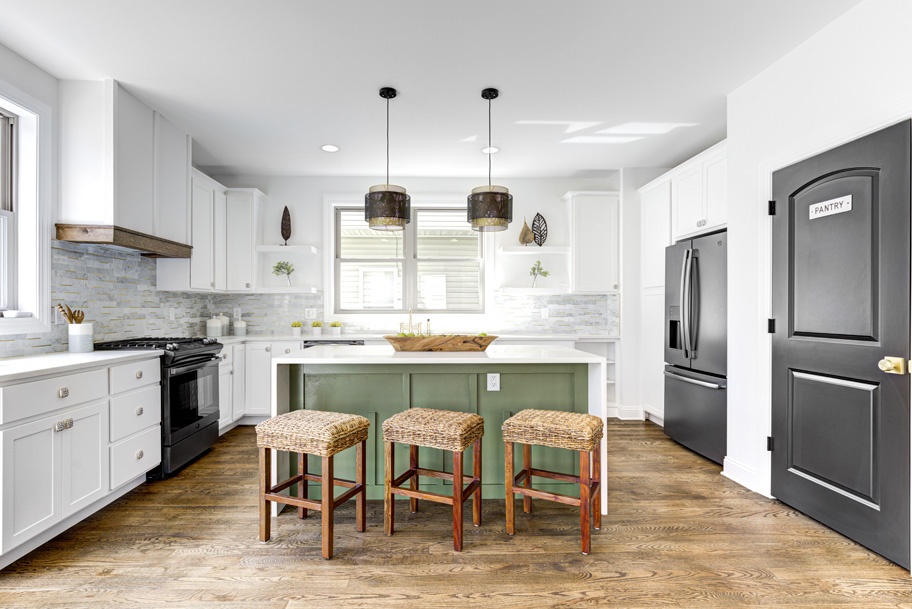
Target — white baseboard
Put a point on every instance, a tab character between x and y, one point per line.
745	476
41	538
625	413
655	415
250	419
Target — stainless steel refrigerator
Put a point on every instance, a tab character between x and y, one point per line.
695	344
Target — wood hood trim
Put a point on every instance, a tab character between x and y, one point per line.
101	234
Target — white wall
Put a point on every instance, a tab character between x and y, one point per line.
849	79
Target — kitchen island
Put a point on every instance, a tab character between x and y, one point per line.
377	382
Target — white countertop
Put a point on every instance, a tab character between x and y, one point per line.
14	369
231	340
505	354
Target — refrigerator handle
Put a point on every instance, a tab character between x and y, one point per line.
678	377
684	304
688	297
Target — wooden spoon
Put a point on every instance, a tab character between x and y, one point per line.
78	316
64	313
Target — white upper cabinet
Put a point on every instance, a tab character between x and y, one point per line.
243	207
120	163
594	248
699	193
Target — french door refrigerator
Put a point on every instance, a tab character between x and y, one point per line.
695	344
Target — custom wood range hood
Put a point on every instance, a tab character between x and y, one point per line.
101	234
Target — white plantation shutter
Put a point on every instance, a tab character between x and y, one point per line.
432	266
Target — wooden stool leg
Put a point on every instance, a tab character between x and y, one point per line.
302	485
457	501
508	485
413	481
360	470
597	477
476	475
527	483
585	500
389	515
265	486
326	504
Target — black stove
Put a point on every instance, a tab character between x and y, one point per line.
190	398
176	349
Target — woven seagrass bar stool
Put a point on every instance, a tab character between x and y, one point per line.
443	429
311	432
557	429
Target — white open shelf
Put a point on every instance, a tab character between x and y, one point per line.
297	249
302	289
512	250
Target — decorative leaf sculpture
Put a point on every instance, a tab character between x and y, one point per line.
286	225
539	229
525	235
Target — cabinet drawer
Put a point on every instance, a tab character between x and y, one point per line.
135	411
135	456
135	375
38	397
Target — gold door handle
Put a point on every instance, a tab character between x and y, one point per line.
892	365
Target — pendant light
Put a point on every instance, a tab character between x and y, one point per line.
490	207
386	206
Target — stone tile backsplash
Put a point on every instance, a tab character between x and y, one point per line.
116	289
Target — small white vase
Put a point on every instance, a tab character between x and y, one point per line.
317	331
80	338
335	330
296	332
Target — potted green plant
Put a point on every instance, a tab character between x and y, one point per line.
283	267
317	328
296	328
335	328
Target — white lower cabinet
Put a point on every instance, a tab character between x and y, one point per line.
259	373
239	382
52	467
60	458
225	388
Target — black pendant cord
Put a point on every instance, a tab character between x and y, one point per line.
387	142
490	153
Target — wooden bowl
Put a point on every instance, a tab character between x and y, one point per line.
441	342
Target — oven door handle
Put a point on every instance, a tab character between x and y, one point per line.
192	365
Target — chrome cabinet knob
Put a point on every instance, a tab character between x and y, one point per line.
139	411
268	349
139	455
287	351
63	392
139	374
247	285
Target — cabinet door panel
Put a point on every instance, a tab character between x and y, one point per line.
715	172
594	253
220	251
239	383
656	234
31	480
259	358
687	202
201	261
84	451
240	242
225	395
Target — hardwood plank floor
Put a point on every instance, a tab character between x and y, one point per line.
677	535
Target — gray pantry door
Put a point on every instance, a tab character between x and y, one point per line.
840	409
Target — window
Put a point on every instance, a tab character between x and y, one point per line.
7	212
434	265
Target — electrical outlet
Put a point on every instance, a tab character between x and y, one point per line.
544	313
493	381
237	312
171	313
310	313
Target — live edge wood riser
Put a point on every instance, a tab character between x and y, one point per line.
384	390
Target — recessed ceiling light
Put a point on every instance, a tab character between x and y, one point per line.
490	149
601	139
645	128
329	148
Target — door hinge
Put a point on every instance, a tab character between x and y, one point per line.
771	326
769	443
772	208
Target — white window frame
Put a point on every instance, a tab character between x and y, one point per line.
34	184
442	320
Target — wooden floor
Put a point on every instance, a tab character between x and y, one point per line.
677	535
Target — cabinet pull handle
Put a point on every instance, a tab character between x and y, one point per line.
139	411
69	423
268	349
139	455
139	374
63	392
59	426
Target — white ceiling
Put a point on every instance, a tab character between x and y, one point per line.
262	84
